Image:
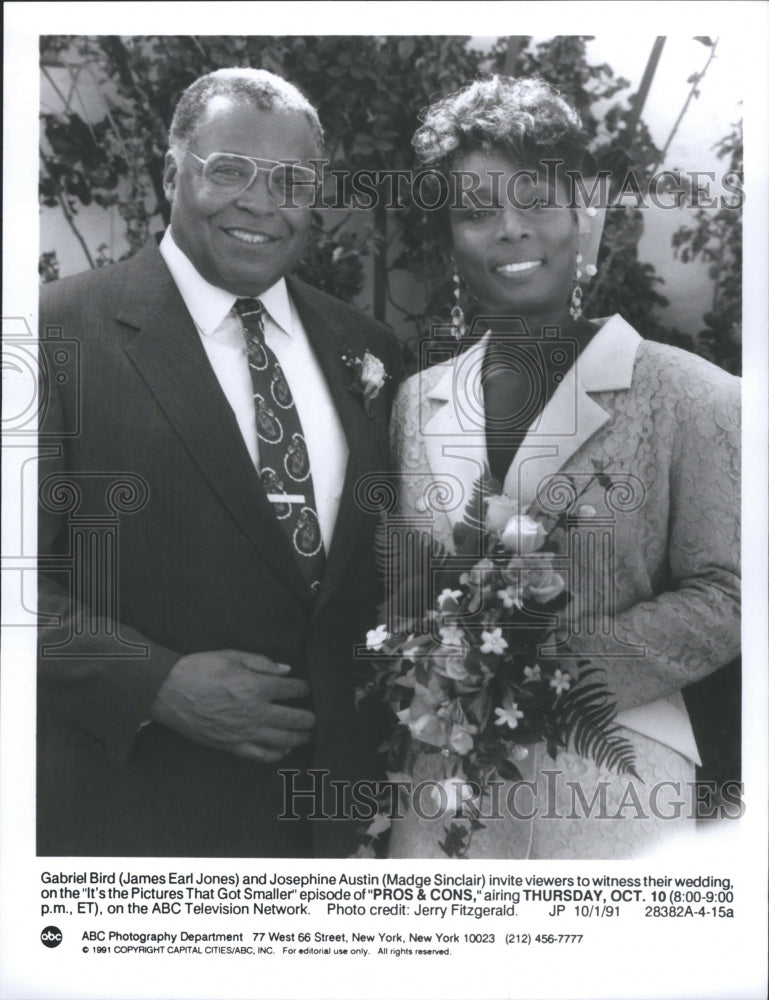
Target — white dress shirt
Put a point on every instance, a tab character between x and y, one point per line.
221	334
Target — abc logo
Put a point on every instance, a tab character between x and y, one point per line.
51	937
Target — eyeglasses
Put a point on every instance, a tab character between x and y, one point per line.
291	185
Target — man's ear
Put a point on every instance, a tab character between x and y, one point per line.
170	177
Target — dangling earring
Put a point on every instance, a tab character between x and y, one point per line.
458	328
575	303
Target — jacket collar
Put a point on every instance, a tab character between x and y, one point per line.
209	305
454	423
606	364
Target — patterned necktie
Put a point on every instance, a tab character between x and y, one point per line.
283	457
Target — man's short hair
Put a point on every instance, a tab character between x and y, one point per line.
255	87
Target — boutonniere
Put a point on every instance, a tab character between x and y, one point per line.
370	376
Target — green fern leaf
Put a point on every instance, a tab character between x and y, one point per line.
584	718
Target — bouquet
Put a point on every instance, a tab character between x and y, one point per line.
465	655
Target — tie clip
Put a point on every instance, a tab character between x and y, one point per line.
286	498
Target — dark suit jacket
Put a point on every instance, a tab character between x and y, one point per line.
186	557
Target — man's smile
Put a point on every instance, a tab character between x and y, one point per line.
250	236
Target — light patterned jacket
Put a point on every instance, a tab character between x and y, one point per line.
654	559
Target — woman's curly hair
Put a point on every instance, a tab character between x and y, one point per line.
525	118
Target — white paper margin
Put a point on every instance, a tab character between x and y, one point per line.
662	959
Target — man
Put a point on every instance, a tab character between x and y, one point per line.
241	565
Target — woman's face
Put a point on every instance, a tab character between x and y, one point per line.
516	260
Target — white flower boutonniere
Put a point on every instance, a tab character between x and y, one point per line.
370	376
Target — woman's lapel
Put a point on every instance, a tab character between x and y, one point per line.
454	427
453	422
572	416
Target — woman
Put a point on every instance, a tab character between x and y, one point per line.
545	392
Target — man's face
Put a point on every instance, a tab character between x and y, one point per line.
242	243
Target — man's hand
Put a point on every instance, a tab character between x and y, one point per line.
226	699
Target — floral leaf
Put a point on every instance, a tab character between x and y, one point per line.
408	563
455	843
473	523
584	716
508	771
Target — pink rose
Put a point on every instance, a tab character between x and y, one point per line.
460	740
454	667
499	510
430	728
522	535
537	579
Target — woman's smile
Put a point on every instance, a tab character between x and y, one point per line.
518	270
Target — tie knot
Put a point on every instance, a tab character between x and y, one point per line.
251	313
249	308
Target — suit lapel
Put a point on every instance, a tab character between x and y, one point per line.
567	421
331	338
454	429
572	416
167	352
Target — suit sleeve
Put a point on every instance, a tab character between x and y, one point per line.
104	693
693	627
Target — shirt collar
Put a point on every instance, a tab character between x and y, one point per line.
209	305
277	303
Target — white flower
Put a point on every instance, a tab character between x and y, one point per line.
477	575
522	534
561	681
499	510
376	638
493	641
372	374
510	597
378	825
452	795
532	673
451	635
508	715
448	599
